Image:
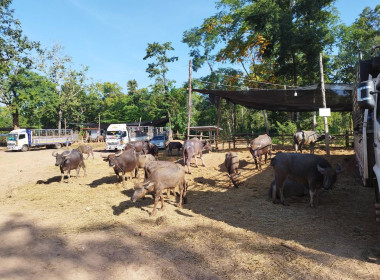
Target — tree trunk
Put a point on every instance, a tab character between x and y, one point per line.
59	120
15	119
266	122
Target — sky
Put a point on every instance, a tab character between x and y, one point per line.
111	37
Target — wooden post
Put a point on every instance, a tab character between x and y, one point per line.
347	139
99	128
324	105
218	124
189	103
234	125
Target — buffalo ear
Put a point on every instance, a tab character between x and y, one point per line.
321	169
339	169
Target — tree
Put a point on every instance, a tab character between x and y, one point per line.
359	36
159	68
15	58
69	83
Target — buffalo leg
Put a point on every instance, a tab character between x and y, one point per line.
312	144
68	176
157	197
84	169
196	161
280	181
203	162
312	191
255	158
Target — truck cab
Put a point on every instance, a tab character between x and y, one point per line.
18	140
117	137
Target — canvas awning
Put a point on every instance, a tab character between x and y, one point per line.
302	99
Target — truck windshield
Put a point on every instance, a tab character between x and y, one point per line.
117	133
12	137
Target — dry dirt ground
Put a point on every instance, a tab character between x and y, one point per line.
90	229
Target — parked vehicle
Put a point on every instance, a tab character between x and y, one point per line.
159	141
366	122
117	137
24	139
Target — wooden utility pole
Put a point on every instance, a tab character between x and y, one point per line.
99	129
324	104
189	103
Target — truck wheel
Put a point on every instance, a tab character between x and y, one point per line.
24	148
58	146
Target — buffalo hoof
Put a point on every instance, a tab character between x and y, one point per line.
285	204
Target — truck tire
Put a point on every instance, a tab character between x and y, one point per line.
58	146
24	148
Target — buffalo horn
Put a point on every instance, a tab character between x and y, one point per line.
148	184
118	154
67	154
104	156
54	154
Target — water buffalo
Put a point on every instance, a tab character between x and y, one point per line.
302	138
231	162
261	145
153	150
313	170
141	147
290	189
99	138
143	160
86	149
161	178
174	145
125	161
69	160
191	148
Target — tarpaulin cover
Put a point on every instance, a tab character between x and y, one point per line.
302	99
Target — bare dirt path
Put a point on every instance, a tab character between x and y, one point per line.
89	229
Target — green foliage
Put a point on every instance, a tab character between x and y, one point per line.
360	36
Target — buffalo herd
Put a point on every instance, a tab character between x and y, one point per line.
295	174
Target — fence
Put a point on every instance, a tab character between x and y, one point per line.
282	140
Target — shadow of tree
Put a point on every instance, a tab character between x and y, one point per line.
42	253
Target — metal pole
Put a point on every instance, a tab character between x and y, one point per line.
189	103
324	105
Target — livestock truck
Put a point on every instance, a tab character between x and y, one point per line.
366	122
119	135
24	139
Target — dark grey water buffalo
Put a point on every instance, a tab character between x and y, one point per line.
231	162
192	148
313	170
290	189
68	161
261	145
153	150
302	138
123	162
161	178
86	149
141	147
174	145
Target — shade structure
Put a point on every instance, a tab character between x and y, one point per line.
301	99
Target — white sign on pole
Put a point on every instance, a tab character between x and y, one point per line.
324	112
